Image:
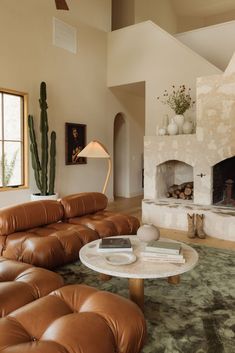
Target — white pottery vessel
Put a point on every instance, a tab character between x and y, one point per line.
188	127
162	131
37	197
148	232
179	119
172	128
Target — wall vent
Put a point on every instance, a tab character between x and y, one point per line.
64	36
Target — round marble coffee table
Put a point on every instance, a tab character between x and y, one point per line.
139	270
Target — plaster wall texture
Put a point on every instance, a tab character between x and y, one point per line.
129	152
145	52
76	83
215	43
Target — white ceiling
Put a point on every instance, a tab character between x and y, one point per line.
202	8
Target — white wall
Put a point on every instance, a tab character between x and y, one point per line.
76	83
215	43
131	105
145	52
192	22
120	156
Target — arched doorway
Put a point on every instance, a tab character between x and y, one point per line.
120	170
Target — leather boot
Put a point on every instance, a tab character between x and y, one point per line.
199	226
191	225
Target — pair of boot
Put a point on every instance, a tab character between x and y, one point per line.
195	226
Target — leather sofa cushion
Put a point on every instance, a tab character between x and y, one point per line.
29	215
50	246
75	318
83	203
107	223
22	283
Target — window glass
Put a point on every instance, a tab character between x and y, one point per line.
12	111
12	163
0	166
0	116
13	171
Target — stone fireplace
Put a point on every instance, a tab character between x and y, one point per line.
206	158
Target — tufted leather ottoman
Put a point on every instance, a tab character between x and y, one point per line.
22	283
74	319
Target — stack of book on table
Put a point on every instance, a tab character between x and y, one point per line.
163	251
115	245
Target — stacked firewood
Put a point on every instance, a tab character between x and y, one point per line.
183	191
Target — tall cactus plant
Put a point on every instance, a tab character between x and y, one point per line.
41	167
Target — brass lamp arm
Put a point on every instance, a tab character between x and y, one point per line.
108	175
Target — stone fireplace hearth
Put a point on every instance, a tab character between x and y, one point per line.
207	158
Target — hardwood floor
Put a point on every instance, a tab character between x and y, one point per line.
132	206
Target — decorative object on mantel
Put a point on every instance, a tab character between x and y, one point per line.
179	101
187	127
148	232
163	130
172	128
179	119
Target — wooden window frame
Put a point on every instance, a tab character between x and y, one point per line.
25	159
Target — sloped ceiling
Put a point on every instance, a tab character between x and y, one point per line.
204	8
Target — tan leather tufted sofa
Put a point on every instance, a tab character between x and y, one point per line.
22	283
89	209
50	233
74	319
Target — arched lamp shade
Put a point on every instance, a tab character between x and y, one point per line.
96	149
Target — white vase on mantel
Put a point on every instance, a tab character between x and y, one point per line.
179	119
172	128
188	127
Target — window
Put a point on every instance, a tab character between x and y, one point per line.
13	163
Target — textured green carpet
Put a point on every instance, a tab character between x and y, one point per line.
196	316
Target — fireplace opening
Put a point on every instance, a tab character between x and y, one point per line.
224	183
174	179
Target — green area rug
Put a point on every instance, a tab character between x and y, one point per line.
196	316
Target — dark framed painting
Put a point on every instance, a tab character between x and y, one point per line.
75	141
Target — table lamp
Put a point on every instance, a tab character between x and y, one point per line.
96	149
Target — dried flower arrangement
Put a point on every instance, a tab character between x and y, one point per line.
179	100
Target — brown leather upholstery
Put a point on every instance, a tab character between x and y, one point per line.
89	209
107	223
74	319
29	215
83	203
22	283
50	246
33	232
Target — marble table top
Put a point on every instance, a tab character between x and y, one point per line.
96	261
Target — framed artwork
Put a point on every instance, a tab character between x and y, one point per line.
75	141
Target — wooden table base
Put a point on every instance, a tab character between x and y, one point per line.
174	279
104	277
136	291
